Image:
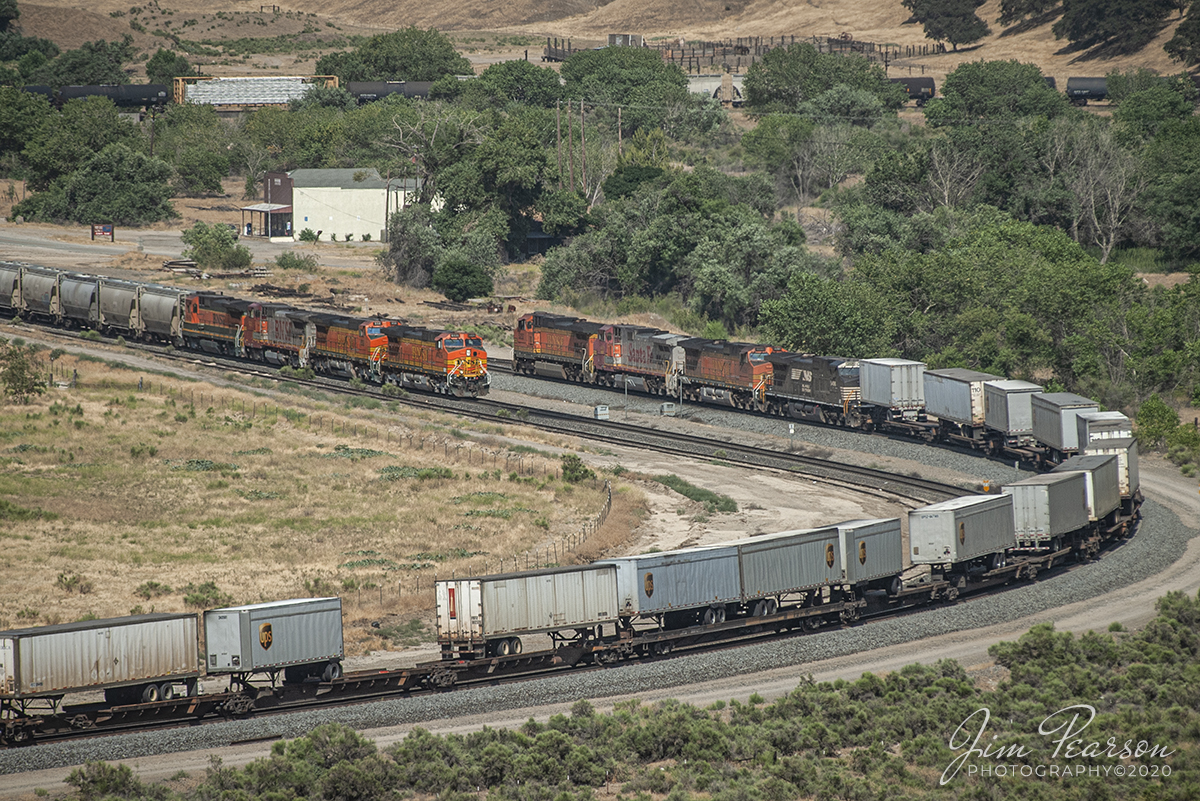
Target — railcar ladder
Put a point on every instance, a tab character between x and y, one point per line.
377	354
239	341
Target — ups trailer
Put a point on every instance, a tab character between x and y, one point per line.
962	530
299	637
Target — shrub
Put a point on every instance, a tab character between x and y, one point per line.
574	470
151	589
459	279
290	261
206	595
308	235
215	248
73	582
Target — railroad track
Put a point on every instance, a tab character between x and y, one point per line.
614	433
366	687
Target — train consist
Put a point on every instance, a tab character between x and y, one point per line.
604	612
985	412
126	96
644	605
372	349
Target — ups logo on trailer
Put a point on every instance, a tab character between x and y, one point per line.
962	533
265	637
862	552
828	556
648	584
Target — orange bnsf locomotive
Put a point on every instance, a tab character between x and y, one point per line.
370	349
671	365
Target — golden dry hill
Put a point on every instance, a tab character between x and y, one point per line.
881	22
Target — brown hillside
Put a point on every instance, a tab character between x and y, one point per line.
591	20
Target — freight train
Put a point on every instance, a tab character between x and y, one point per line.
604	612
644	605
371	349
1003	417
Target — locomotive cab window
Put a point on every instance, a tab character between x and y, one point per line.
475	342
454	344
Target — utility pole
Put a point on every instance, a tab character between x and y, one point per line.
571	143
558	126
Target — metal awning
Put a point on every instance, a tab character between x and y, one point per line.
273	208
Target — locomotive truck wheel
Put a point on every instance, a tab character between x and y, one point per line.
333	671
812	623
150	693
662	648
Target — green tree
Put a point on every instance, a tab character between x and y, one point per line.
9	13
321	96
98	62
116	185
21	372
215	248
414	247
1185	44
633	78
782	144
1140	115
1014	11
953	21
514	82
410	54
14	46
21	115
1121	27
460	279
166	65
786	77
820	315
66	139
994	90
1156	421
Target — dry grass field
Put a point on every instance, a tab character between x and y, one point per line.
487	32
182	495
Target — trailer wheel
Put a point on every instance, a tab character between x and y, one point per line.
760	609
710	616
166	691
150	693
772	606
502	647
895	586
515	645
333	671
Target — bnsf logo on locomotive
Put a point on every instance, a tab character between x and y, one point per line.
648	584
265	638
829	556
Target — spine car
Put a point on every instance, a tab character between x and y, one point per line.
372	349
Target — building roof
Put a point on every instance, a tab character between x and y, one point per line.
345	179
247	91
272	207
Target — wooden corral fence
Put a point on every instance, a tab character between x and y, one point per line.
737	54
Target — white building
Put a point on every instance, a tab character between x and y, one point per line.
351	201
